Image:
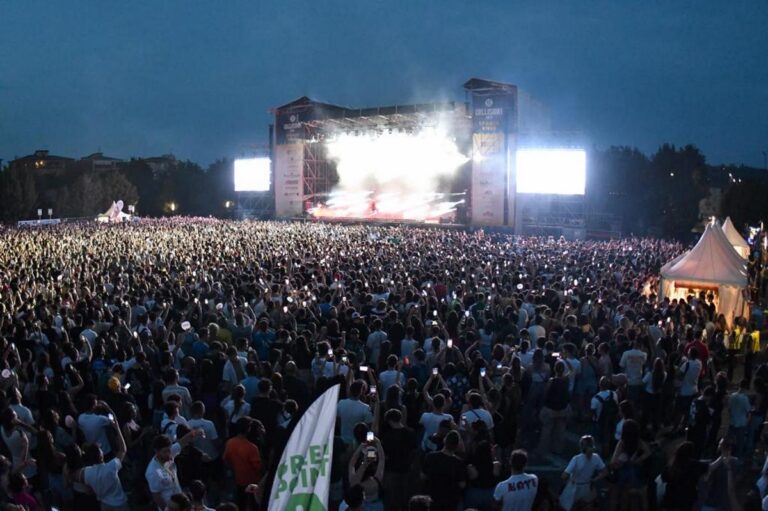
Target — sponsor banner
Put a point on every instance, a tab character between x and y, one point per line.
494	113
303	477
489	178
44	221
289	129
289	188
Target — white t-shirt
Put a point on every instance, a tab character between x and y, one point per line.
352	411
583	469
431	422
479	414
206	444
573	369
389	378
536	332
94	430
633	361
103	479
526	358
229	409
691	371
229	374
408	346
163	478
517	493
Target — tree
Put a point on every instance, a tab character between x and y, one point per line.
18	194
679	176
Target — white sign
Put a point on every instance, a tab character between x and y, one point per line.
289	186
303	476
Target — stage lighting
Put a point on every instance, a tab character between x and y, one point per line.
551	171
252	175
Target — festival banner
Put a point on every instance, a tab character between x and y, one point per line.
494	124
303	476
289	181
289	128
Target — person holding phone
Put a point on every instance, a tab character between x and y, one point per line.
366	468
352	411
431	421
102	477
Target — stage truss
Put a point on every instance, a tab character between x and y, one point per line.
319	176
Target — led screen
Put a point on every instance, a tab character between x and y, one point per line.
551	171
252	175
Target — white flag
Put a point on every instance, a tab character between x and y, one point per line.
303	477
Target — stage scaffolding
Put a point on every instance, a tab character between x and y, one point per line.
321	121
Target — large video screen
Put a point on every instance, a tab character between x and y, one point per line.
551	171
252	175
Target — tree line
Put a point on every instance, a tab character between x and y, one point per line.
656	194
183	187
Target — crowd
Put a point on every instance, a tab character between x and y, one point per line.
164	364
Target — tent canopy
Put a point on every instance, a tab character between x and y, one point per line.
712	261
735	239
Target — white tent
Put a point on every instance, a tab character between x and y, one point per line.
735	238
712	265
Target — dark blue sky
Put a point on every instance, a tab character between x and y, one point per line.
197	78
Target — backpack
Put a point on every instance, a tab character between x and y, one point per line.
609	413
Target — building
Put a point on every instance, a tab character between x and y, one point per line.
98	161
42	161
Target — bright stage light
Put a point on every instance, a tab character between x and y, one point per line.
252	175
394	162
551	171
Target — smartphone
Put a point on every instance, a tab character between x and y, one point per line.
127	386
483	372
406	360
373	390
466	314
464	421
556	354
111	417
285	310
330	352
498	366
434	313
369	436
363	369
344	360
434	371
371	454
450	343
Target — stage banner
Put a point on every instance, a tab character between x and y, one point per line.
489	178
494	113
289	171
289	129
494	124
303	477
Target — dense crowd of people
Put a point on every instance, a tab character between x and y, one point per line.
164	364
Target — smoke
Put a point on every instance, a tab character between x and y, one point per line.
394	161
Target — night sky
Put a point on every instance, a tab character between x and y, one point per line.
197	78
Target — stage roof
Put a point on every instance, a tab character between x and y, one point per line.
478	84
324	116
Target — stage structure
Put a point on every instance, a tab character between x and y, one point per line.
437	162
314	142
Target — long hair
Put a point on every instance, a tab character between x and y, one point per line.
681	458
658	375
